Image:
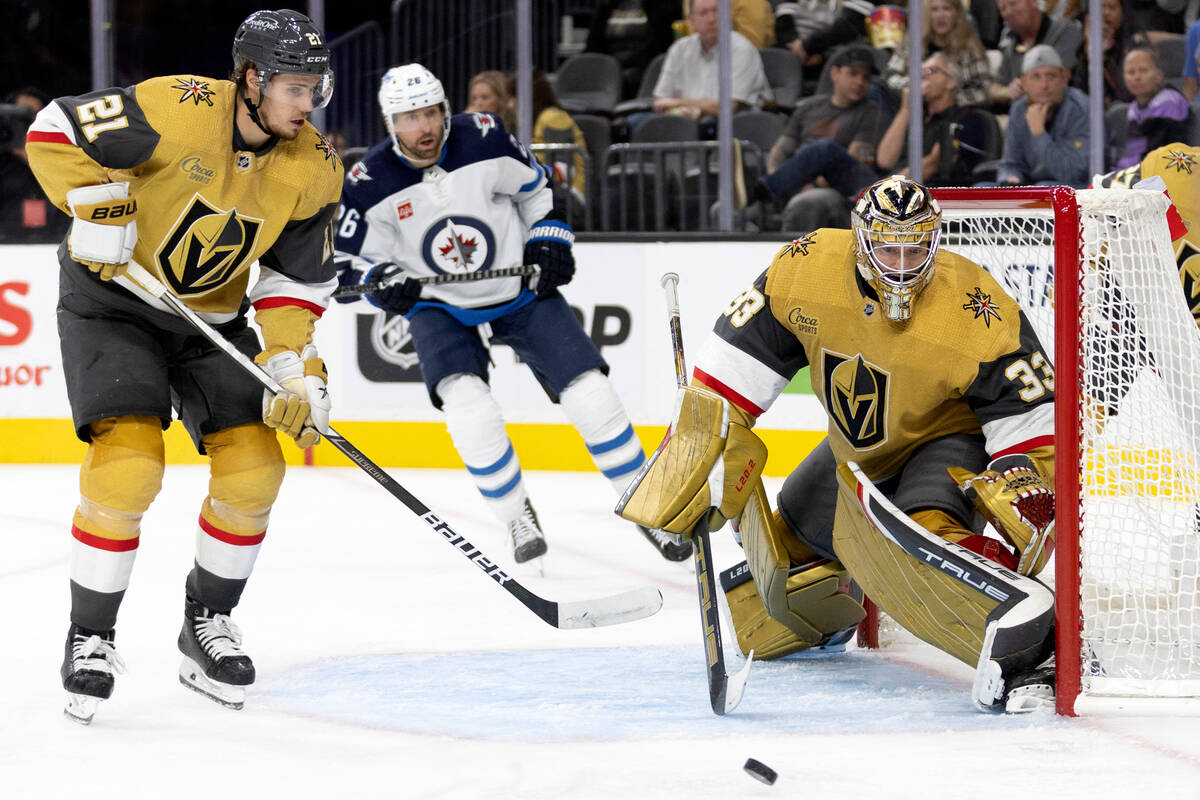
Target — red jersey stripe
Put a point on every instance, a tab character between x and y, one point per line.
54	137
729	394
231	538
101	543
280	302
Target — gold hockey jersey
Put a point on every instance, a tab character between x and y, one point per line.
207	212
1178	165
967	362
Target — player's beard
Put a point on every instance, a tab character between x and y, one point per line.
279	123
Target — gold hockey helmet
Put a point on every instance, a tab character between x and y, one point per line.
897	225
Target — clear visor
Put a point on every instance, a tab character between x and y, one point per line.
306	91
418	120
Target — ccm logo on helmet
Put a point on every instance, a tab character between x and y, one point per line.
128	209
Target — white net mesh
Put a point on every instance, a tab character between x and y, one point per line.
1139	493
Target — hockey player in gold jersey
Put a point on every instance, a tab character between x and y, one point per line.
195	180
1175	169
940	404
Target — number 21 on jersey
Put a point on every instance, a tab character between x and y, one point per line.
104	114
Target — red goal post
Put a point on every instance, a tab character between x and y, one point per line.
1127	425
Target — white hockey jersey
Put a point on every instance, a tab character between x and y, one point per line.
469	212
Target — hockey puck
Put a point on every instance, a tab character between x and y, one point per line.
760	771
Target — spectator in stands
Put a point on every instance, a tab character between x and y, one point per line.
1191	63
754	19
688	82
794	21
633	32
947	30
1117	38
947	162
1165	16
1047	138
849	24
1158	114
1024	27
488	92
553	125
25	213
844	121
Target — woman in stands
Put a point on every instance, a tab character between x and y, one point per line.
1117	38
947	30
488	92
553	125
1158	114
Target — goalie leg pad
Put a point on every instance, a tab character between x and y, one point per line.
943	593
707	460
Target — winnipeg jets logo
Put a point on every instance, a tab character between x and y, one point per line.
983	306
1180	161
799	246
324	147
459	244
194	90
358	173
485	122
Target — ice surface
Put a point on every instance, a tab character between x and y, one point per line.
389	667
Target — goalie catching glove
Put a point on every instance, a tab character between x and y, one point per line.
104	229
709	459
301	408
1015	499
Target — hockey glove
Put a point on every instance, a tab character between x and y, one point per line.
301	409
1015	499
400	297
350	272
549	246
104	228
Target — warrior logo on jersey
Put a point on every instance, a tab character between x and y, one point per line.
983	306
1180	161
206	247
194	90
459	244
799	246
856	394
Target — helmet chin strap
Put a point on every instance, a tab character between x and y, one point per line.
252	109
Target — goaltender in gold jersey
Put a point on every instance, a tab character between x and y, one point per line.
195	180
940	402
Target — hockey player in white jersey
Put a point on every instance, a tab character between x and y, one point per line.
447	194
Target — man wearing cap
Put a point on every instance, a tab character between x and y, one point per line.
1047	138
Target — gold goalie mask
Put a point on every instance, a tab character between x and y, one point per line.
897	225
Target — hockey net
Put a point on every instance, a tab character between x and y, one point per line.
1096	275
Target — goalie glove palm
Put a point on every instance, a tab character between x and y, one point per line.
301	409
1014	498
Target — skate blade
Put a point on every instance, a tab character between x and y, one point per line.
534	566
191	676
81	708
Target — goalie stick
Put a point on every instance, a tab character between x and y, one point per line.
724	692
612	610
428	280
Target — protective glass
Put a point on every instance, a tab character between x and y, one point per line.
295	88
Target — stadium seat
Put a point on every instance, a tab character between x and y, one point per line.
589	83
645	93
785	74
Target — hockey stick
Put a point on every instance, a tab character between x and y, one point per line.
612	610
433	280
724	692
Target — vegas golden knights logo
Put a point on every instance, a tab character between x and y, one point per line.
206	247
856	394
1189	274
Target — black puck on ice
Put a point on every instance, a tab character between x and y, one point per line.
760	771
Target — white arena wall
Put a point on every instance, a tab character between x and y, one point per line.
379	402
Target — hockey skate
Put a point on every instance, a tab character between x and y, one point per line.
87	671
214	663
528	541
666	544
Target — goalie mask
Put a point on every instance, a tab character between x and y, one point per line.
404	92
897	224
287	42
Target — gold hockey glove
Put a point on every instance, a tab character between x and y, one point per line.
707	460
1015	499
301	408
104	230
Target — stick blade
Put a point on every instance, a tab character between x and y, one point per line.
613	610
735	685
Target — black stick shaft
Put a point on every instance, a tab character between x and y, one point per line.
433	280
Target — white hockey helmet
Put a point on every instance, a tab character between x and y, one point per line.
897	225
408	88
